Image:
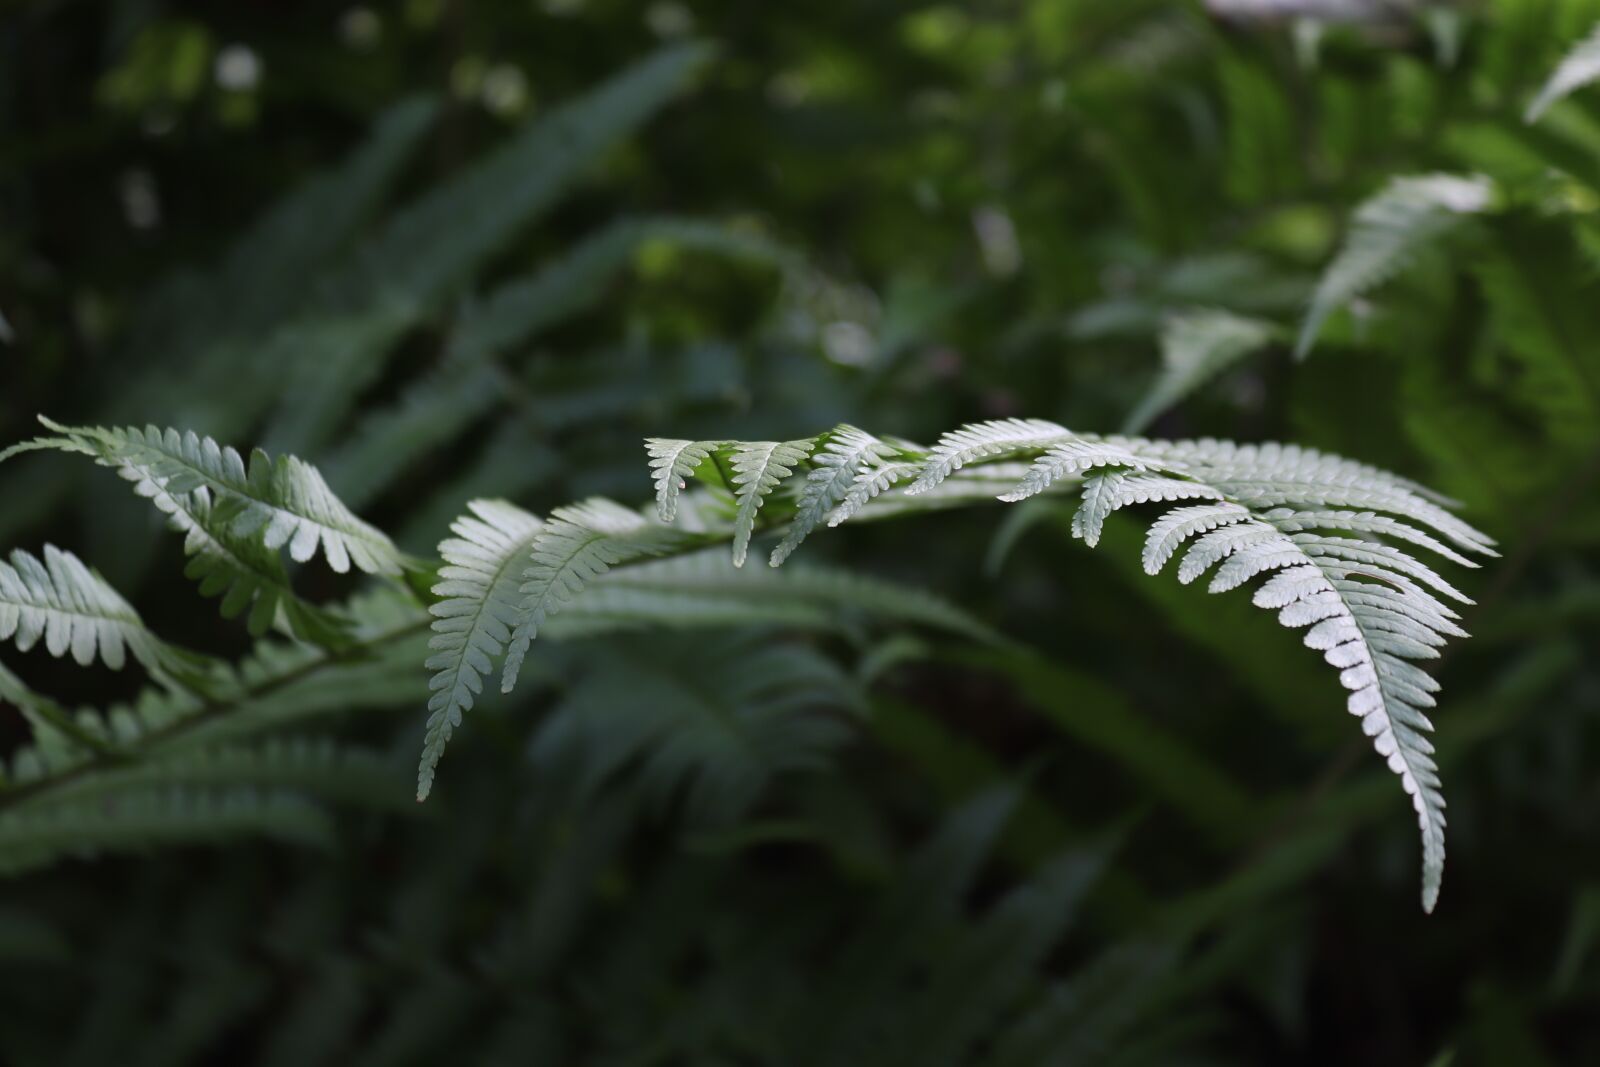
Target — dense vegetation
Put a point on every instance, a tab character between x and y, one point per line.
541	313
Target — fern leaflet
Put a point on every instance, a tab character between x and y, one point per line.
984	440
674	463
758	467
479	587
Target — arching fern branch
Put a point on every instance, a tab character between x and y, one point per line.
1325	532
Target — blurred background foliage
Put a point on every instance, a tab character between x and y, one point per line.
400	241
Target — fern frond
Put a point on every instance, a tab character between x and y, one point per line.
479	588
758	467
1369	620
837	465
703	589
206	328
282	501
74	610
1273	512
720	741
1196	347
144	819
317	766
59	737
1406	216
1579	67
985	440
339	345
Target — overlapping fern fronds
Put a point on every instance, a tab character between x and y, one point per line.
235	516
1331	538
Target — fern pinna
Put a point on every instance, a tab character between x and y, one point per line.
1334	541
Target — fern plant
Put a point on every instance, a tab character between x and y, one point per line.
1332	538
1324	531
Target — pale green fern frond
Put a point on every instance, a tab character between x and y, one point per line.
1273	460
1168	533
479	588
1196	347
245	573
1579	67
1106	493
283	501
758	467
74	611
1320	529
1367	522
1406	216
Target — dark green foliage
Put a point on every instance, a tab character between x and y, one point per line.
944	789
